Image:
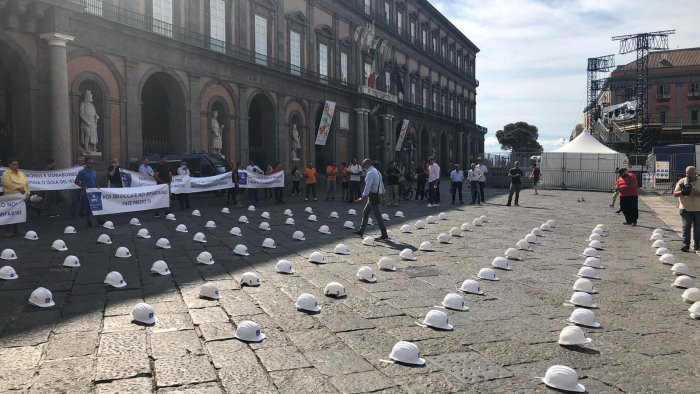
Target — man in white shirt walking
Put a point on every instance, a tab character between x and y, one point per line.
433	183
457	179
482	178
473	176
373	193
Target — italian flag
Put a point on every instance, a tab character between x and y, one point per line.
372	80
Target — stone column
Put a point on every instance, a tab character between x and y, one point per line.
194	137
460	150
60	106
365	133
134	136
387	121
243	154
360	133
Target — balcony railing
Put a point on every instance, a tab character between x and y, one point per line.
663	96
694	95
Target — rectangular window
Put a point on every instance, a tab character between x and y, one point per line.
425	97
694	116
435	46
368	72
399	22
368	6
413	32
434	103
444	50
663	117
217	16
295	52
444	105
260	40
424	38
344	120
94	7
323	60
413	92
387	13
163	17
387	81
344	67
452	107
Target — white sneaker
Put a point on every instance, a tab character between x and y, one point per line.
430	205
436	205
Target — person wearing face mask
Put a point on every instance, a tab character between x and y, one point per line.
184	198
689	204
629	196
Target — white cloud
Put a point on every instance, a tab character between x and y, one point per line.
532	63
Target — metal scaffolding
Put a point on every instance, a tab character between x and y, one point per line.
595	85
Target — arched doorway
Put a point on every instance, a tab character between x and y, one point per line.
374	143
15	102
262	136
163	115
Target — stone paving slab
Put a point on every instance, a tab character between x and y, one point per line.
506	339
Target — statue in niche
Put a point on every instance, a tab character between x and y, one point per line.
296	143
88	125
433	148
216	132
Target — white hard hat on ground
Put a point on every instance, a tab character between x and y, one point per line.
250	279
108	225
105	239
265	215
312	218
31	235
582	299
431	219
545	227
512	254
531	238
288	212
385	217
59	245
8	273
196	213
284	267
8	254
590	252
142	233
170	216
264	226
398	214
598	231
659	243
205	258
210	291
695	310
442	216
249	331
658	230
160	267
595	237
144	313
386	264
564	378
583	317
341	249
668	259
466	227
455	232
243	219
122	252
225	210
71	261
407	254
691	295
324	230
367	274
181	228
552	223
241	250
501	263
199	237
333	215
210	224
308	210
656	236
455	302
251	208
370	222
335	289
593	262
426	246
573	336
537	232
420	225
69	230
368	241
298	235
444	238
235	231
487	274
684	282
471	286
317	257
307	302
163	243
352	212
584	285
477	222
437	319
407	353
680	269
662	251
115	279
523	244
289	222
588	272
406	228
596	245
348	224
42	298
269	243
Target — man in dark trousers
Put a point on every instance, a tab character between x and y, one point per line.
374	190
516	183
162	175
629	196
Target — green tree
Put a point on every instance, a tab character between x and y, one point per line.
519	137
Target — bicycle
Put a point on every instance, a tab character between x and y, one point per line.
407	193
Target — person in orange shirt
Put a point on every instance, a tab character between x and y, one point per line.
331	176
344	186
310	177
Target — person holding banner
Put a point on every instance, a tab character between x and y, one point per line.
86	179
374	192
14	182
331	177
114	177
183	197
278	190
310	176
162	175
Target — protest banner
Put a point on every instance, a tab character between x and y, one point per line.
41	181
402	135
324	127
253	180
13	209
209	183
135	179
118	200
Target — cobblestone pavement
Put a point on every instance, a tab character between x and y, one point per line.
87	342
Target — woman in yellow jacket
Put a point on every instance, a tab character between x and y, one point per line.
14	182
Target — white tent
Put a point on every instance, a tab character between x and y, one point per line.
583	163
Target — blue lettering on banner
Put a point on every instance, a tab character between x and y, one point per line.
242	178
95	199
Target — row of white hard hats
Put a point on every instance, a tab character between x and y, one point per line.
684	280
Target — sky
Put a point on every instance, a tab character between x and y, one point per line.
533	53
